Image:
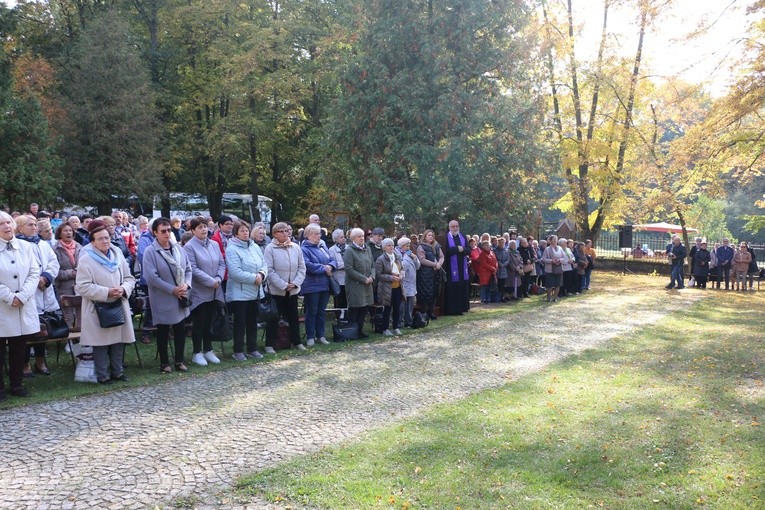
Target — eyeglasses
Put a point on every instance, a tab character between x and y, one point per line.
101	239
282	231
164	230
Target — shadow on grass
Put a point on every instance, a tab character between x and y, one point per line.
667	417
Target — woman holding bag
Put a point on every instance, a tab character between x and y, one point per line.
103	276
246	273
168	276
208	270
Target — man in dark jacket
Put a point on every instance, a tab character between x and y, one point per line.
724	259
677	256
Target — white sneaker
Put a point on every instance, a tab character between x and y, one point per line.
310	342
397	332
323	341
269	350
199	359
300	347
387	332
211	357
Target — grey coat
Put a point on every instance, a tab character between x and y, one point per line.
411	265
165	308
384	272
503	260
207	267
285	265
358	267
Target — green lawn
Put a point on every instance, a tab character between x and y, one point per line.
668	417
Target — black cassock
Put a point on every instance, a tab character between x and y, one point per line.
457	286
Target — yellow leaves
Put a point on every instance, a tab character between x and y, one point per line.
391	500
551	391
417	470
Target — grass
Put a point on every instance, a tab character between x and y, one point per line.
668	417
61	386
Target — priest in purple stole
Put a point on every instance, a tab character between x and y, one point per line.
457	288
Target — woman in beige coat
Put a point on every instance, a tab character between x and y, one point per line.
103	275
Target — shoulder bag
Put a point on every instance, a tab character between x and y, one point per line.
220	326
267	310
110	313
334	285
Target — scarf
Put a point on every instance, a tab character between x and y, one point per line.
33	240
394	269
106	262
225	238
69	249
174	261
455	274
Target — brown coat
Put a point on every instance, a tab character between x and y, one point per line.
741	260
384	272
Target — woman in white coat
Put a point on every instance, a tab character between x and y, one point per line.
19	276
45	297
103	275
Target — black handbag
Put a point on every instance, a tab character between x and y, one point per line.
54	324
267	310
220	326
334	285
345	333
110	313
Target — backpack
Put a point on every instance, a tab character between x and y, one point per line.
419	320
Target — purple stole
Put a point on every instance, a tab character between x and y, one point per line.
455	277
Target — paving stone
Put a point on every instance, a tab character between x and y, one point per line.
143	447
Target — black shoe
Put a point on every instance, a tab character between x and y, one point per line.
106	382
20	392
29	375
122	378
42	371
362	336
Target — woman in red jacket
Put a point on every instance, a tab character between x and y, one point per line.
486	269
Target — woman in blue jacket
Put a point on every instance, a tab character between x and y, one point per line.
246	273
319	264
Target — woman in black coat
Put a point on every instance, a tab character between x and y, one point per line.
431	258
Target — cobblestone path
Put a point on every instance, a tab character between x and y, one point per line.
144	447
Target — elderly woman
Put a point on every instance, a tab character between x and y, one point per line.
528	257
45	297
259	236
45	231
246	274
359	279
741	260
431	259
319	265
207	271
104	276
553	258
581	265
67	252
19	322
410	264
337	250
168	277
118	240
503	261
569	271
389	271
700	268
514	270
286	271
80	233
539	249
485	267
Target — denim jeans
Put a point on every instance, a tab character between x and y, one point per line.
676	279
315	313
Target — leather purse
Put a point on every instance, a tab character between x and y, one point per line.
110	313
345	333
220	326
267	310
53	325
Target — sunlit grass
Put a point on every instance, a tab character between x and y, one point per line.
667	417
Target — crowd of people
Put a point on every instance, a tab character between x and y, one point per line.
199	270
722	264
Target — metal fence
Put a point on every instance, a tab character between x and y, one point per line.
652	246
